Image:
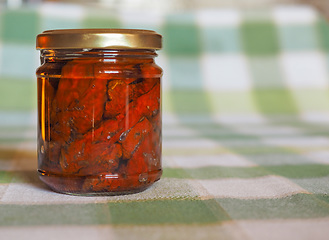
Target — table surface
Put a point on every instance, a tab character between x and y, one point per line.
251	179
245	130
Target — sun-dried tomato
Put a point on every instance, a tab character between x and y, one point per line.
104	126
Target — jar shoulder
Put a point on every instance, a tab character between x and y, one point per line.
50	68
102	69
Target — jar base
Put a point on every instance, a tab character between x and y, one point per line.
99	185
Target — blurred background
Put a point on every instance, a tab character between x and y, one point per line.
245	113
255	58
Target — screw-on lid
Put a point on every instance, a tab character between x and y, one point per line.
99	38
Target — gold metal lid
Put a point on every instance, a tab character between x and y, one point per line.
99	38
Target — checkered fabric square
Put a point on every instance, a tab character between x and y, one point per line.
245	133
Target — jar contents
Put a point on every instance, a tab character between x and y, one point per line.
99	125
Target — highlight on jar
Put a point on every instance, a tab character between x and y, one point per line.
99	110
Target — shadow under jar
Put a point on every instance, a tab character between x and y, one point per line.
99	111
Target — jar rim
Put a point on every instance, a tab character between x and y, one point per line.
107	38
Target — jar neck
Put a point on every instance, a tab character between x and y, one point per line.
108	55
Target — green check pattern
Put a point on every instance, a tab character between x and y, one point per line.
245	129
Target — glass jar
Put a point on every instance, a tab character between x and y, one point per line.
99	111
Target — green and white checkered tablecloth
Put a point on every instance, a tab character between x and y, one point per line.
245	135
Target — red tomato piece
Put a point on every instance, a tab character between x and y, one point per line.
118	95
132	138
